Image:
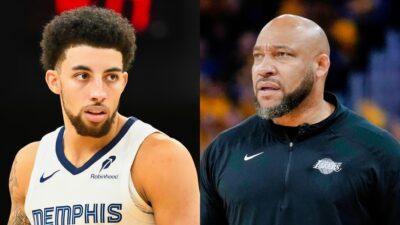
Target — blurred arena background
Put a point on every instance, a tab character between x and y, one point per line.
163	87
365	57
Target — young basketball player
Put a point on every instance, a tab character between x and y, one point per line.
100	167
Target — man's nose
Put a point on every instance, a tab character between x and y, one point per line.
98	92
266	68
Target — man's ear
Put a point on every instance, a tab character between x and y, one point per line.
125	78
322	65
53	81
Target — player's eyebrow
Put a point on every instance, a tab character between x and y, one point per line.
82	67
113	69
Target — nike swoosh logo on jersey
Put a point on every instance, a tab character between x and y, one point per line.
246	157
43	179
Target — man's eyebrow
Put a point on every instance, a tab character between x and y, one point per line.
283	47
82	67
113	69
257	48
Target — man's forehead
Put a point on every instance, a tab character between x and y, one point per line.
294	32
271	39
283	39
278	33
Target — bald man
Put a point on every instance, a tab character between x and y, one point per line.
304	158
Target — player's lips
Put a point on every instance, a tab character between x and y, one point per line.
96	114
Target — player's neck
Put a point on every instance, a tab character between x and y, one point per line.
311	111
78	149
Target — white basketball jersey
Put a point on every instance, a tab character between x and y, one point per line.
99	192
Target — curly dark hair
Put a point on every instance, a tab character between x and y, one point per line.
91	25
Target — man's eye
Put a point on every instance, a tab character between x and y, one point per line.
82	76
257	56
112	77
283	54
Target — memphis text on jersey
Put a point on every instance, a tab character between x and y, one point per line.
87	213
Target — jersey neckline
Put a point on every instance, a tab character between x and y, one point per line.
76	170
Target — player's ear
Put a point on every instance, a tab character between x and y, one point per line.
125	78
53	81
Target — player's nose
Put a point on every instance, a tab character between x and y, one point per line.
98	90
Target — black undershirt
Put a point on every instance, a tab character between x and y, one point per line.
291	132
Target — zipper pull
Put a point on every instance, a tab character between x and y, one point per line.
291	144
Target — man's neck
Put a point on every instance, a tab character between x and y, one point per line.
310	111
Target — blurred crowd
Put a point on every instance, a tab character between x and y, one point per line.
365	45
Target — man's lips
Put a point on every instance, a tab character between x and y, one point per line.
267	85
96	114
97	110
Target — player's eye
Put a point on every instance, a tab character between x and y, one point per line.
81	76
112	77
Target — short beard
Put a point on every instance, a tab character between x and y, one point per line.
289	101
85	130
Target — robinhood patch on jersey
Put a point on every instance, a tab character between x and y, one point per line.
105	166
327	166
107	162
